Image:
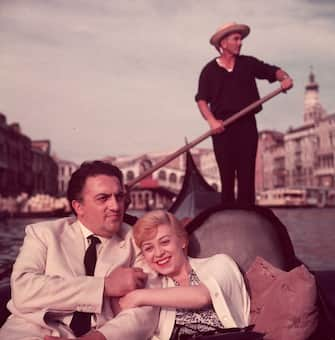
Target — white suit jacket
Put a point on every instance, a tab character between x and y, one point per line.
49	278
229	295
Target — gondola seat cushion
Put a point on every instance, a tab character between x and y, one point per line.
283	304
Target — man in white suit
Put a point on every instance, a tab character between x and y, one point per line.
51	287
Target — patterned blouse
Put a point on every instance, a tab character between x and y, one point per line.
195	320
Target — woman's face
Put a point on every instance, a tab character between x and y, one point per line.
165	251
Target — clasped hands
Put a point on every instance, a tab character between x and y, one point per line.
118	283
124	280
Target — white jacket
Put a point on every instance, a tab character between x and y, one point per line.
225	283
49	278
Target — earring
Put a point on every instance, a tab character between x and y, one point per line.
221	50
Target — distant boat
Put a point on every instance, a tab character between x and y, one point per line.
296	197
282	197
54	213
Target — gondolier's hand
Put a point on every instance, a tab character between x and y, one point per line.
123	280
216	125
92	335
286	83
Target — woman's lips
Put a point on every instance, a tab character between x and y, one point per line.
163	261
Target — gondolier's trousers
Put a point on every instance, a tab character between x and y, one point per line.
235	151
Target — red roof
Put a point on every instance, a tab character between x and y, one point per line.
148	183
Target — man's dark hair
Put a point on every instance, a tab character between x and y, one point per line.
89	169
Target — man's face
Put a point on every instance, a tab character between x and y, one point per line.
102	205
232	43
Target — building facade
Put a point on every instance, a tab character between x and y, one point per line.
270	169
303	156
171	175
65	171
300	156
324	171
26	166
45	169
15	160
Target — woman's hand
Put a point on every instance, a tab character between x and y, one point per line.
131	300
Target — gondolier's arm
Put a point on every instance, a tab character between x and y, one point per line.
216	125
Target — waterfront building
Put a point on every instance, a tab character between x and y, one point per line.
65	171
270	167
15	160
208	167
303	156
171	175
26	167
148	194
44	168
158	190
168	176
325	138
300	155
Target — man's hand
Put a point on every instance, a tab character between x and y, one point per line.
286	83
124	280
92	335
216	125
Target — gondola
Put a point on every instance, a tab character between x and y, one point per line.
246	233
243	232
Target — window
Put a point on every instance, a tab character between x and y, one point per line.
130	175
173	178
162	175
145	165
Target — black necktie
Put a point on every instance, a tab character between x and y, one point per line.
81	321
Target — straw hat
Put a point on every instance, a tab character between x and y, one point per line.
226	29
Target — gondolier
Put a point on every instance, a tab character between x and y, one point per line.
226	85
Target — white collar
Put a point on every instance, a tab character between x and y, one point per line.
87	232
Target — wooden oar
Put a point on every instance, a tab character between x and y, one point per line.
196	141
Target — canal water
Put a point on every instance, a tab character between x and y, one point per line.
312	232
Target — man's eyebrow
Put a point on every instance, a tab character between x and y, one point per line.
105	194
102	194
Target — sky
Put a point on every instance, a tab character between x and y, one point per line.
118	77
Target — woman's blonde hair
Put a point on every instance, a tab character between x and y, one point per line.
146	227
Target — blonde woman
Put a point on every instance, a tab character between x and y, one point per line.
198	295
